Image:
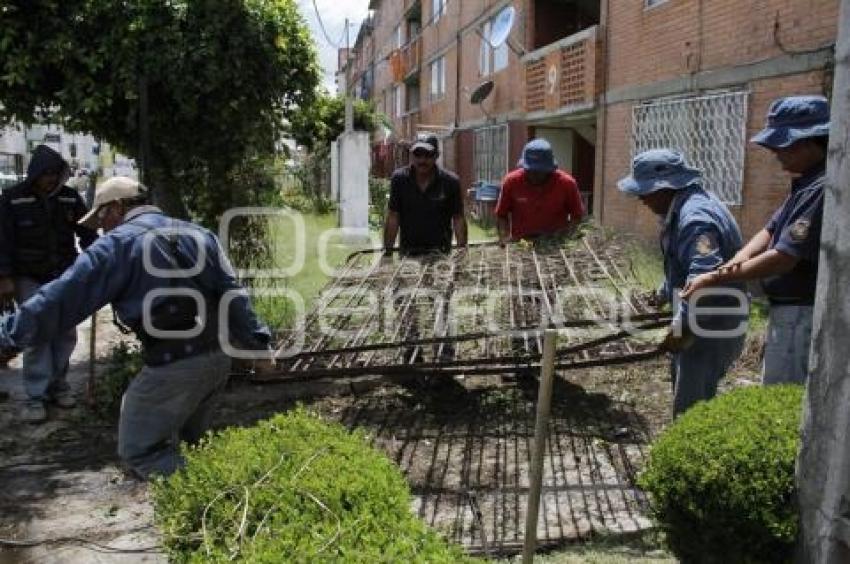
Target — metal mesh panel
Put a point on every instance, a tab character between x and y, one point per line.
709	130
491	147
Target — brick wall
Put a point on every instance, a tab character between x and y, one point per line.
661	43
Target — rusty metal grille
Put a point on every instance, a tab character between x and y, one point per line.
482	311
710	131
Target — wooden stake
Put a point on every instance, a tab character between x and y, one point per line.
544	405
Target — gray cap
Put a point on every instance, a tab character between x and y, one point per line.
426	141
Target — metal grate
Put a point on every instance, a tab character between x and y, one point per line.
710	130
477	312
491	153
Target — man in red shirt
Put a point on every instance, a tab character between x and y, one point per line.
537	199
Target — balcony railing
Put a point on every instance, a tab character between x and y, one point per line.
409	122
411	56
562	77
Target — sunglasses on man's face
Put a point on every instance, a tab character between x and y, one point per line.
423	154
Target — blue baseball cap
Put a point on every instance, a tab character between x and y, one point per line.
537	156
659	169
794	118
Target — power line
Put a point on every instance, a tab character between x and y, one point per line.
322	27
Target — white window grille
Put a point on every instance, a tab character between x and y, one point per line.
491	153
709	130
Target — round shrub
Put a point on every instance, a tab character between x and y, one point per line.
296	489
721	477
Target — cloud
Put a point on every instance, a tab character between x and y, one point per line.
333	13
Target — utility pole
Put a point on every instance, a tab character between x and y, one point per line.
823	466
349	105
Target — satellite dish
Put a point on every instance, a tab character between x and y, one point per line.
481	92
502	25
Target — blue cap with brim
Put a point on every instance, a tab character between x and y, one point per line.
659	169
537	156
792	119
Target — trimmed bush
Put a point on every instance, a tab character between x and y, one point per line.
721	478
292	489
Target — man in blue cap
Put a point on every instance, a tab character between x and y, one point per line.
698	234
784	255
537	199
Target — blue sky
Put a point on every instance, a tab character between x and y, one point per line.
333	13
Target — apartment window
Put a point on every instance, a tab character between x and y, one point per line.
491	153
652	3
489	59
710	130
399	37
399	101
438	9
438	78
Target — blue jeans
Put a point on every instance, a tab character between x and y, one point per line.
45	366
787	344
697	370
165	405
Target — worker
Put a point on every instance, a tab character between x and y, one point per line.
38	241
537	199
140	265
425	203
784	254
426	206
697	234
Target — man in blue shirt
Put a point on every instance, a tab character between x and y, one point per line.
145	265
38	236
698	234
784	255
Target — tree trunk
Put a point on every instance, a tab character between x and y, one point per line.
823	465
165	189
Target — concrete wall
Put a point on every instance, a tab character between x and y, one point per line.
354	182
718	43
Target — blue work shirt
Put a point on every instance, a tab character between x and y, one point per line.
795	230
699	234
112	270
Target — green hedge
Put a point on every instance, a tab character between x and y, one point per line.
292	489
721	478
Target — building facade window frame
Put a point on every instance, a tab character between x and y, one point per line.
438	9
709	128
490	155
490	60
438	78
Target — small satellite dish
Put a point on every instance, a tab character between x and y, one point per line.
502	25
481	92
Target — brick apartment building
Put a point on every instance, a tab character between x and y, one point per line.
600	79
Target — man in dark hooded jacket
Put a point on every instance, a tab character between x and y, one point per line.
38	225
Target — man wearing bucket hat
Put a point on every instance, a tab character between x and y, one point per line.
537	199
784	255
166	281
38	235
698	234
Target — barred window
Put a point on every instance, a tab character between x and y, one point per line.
710	130
491	153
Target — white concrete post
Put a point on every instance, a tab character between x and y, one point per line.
354	184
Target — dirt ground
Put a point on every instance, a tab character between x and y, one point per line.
464	445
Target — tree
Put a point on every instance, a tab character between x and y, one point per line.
823	466
193	88
324	121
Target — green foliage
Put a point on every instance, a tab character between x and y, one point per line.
324	120
379	195
221	80
721	478
292	488
123	363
